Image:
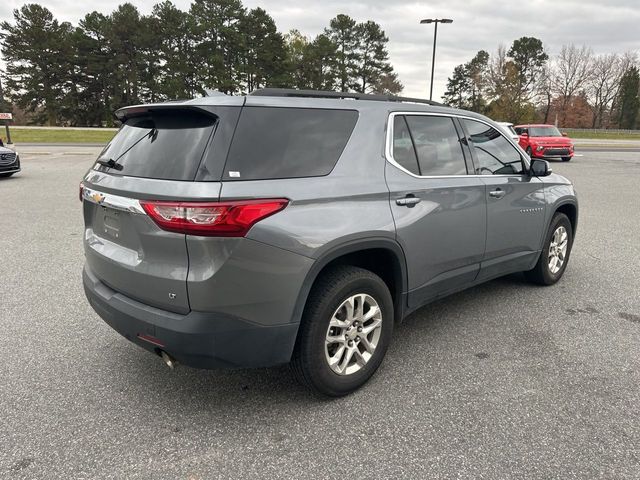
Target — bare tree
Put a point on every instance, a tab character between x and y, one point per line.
497	70
544	89
572	73
602	86
629	59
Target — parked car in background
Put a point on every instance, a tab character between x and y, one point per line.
509	130
545	141
9	162
251	231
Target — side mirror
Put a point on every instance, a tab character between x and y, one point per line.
540	168
564	134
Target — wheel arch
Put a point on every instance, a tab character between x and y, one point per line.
570	209
362	253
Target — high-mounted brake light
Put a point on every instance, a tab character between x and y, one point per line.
212	219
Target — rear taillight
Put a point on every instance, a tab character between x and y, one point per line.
81	192
224	219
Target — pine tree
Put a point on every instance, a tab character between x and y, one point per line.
629	99
89	103
467	87
343	33
125	37
220	44
477	73
61	74
529	58
372	59
296	45
264	56
388	84
174	31
320	65
36	49
458	88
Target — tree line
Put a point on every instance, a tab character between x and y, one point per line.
78	75
574	88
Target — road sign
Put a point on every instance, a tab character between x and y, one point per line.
6	116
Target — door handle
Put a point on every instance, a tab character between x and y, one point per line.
408	201
497	193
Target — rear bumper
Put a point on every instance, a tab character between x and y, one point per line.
197	339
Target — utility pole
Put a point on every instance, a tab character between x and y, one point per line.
435	39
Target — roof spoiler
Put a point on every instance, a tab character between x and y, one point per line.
125	113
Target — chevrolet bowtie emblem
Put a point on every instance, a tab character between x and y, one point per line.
97	197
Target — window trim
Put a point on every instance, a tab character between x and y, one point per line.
388	153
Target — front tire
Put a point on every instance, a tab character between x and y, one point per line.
345	331
6	175
566	159
554	257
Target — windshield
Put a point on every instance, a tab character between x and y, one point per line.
549	131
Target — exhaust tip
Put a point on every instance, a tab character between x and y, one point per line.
168	360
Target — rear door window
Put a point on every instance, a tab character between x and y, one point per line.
437	145
272	142
403	151
166	145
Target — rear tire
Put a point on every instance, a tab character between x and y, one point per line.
326	328
555	253
566	159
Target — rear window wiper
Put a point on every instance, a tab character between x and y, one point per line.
111	163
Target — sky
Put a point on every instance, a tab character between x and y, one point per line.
610	26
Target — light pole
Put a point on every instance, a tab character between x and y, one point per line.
435	38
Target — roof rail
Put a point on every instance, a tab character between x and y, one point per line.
291	92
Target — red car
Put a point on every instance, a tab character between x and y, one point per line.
545	141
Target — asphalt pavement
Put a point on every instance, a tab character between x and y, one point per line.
506	380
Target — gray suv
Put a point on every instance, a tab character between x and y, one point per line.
300	226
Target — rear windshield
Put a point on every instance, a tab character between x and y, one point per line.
274	142
165	145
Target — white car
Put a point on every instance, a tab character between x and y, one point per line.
508	128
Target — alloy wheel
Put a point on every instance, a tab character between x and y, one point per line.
558	249
353	334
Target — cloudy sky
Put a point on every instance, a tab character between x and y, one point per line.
610	26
